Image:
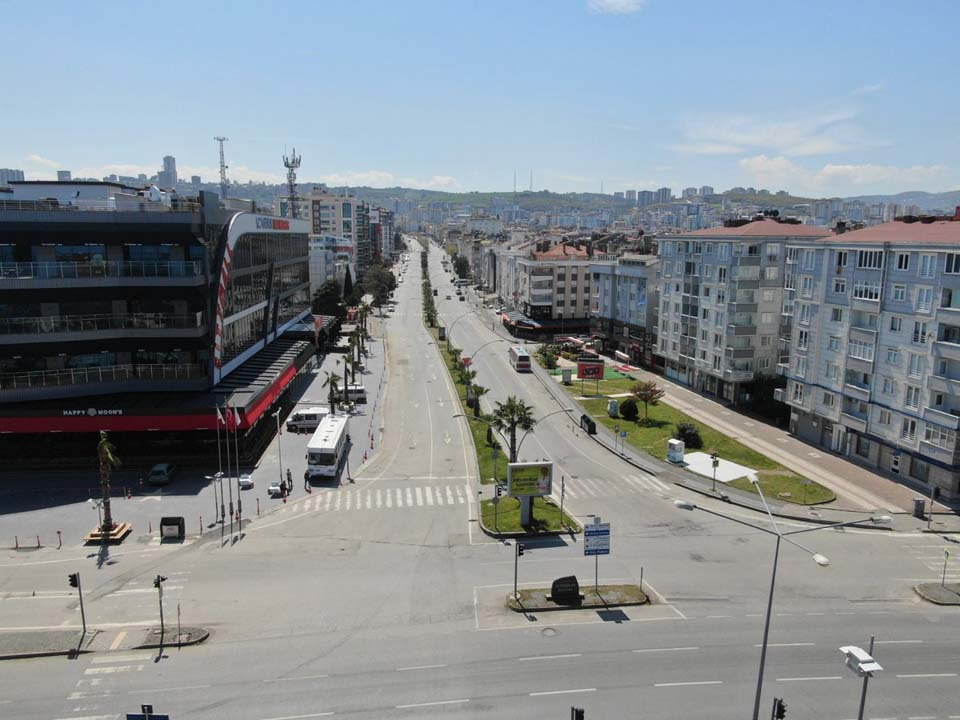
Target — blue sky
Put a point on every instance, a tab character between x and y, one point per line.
816	97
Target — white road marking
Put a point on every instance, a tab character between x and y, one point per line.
369	500
799	679
297	677
379	499
899	642
562	692
167	690
450	500
409	496
420	667
549	657
787	645
299	717
111	669
349	500
673	649
928	675
122	657
429	495
700	682
459	496
423	704
336	505
326	505
439	494
921	717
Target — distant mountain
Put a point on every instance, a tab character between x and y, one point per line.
928	201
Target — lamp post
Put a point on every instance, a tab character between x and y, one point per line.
785	536
863	664
458	319
97	504
537	422
276	416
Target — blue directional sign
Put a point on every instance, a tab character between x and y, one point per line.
596	539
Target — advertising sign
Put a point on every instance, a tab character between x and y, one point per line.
596	539
529	479
589	370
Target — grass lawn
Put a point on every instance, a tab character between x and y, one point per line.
546	515
652	438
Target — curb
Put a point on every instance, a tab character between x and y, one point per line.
48	653
156	646
923	595
559	608
526	535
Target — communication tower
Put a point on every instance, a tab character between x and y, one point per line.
224	183
292	163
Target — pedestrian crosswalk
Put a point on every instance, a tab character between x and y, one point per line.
581	487
346	499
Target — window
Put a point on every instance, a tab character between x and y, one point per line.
801	367
803	337
841	258
866	290
764	363
870	259
834	343
767	318
908	429
888	386
919	469
924	299
915	365
804	314
862	447
717	339
937	436
722	274
716	362
809	259
900	293
840	286
920	333
860	350
953	264
806	285
797	392
903	261
928	265
836	315
829	399
896	324
912	399
771	273
767	295
884	417
721	296
893	356
833	371
723	251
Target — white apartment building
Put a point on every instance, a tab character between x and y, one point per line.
873	368
623	306
721	294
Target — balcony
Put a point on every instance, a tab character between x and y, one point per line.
747	260
783	369
940	417
858	392
83	274
742	307
735	353
864	334
98	380
864	305
541	297
736	329
780	394
948	350
51	328
738	375
853	422
938	383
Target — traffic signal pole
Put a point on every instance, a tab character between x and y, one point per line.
75	582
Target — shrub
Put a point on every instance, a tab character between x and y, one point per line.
690	434
549	360
629	410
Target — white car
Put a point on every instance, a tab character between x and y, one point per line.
275	489
245	482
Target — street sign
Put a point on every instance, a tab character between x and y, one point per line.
589	370
623	433
466	360
596	539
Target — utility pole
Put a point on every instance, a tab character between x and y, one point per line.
158	584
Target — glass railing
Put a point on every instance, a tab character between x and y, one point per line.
92	323
108	373
84	270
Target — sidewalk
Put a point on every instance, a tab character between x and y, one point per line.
21	644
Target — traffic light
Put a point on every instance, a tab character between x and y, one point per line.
520	548
576	713
74	579
157	580
779	709
499	490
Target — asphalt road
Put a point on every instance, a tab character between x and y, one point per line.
380	598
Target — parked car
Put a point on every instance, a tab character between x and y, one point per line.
245	482
160	474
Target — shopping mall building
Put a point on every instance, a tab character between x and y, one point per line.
141	312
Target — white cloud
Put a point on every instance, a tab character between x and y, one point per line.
838	179
35	159
797	135
868	89
615	7
383	178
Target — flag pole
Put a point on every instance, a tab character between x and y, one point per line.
236	447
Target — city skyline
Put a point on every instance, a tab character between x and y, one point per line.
458	99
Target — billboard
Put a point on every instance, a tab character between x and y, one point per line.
589	369
529	479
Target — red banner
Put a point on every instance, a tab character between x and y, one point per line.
589	370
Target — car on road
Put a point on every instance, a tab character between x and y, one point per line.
161	474
245	482
275	489
448	296
462	298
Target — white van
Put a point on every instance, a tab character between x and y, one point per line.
307	418
355	393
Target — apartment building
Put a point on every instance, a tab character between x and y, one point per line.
623	306
873	350
721	294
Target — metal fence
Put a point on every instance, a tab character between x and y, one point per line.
82	270
109	373
89	323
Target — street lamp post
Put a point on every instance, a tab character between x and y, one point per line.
535	423
276	416
786	536
458	319
863	664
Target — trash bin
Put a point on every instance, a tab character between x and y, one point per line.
588	424
675	449
919	506
613	408
174	528
567	375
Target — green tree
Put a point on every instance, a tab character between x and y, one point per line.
350	365
347	283
461	266
510	416
107	457
332	383
628	409
326	301
478	392
649	393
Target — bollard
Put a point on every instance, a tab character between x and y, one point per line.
16	543
38	541
258	507
201	524
151	527
59	540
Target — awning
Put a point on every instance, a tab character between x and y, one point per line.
515	317
621	356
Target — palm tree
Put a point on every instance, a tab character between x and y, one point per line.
455	353
363	312
106	454
333	383
510	416
467	375
350	366
478	392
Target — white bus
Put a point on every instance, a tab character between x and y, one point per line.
328	447
307	418
520	359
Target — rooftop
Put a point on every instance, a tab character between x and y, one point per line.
910	232
765	227
561	252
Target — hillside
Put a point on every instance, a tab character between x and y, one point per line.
946	201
